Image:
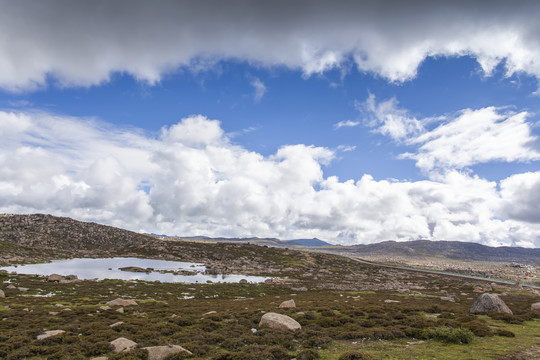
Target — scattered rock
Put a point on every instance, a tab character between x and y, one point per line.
2	294
116	324
209	313
50	333
287	304
120	310
451	298
490	302
100	358
535	307
279	322
55	278
388	301
139	314
122	302
123	344
243	281
104	308
11	287
23	289
161	352
253	330
303	288
53	313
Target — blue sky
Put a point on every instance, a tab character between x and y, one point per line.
350	127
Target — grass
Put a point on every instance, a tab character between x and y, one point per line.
333	321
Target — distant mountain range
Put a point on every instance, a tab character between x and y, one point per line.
458	250
64	235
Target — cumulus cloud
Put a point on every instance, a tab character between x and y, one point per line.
83	43
465	139
192	179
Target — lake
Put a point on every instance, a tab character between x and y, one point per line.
109	268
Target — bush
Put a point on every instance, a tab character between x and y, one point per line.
505	333
308	354
353	355
449	335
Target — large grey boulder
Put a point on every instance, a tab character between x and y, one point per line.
161	352
122	344
490	303
122	302
287	304
55	277
279	322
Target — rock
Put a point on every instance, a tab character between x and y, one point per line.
55	277
123	344
535	307
389	301
11	287
279	322
243	281
209	313
23	289
490	302
104	308
122	302
116	324
100	358
50	333
451	298
53	313
120	310
2	294
161	352
253	330
287	304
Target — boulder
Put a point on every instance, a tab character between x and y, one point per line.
2	294
122	302
535	307
287	304
55	277
116	324
50	333
11	287
161	352
123	344
490	302
279	322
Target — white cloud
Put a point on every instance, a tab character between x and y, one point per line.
193	180
386	118
455	142
83	43
346	123
260	89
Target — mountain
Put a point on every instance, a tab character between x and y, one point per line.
457	250
308	242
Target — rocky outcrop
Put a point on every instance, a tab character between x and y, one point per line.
122	302
490	303
287	304
50	333
280	322
123	344
161	352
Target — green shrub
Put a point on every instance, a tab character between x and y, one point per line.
449	335
353	355
307	354
505	333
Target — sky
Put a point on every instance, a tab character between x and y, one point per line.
353	122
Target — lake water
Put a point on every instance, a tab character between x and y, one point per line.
109	268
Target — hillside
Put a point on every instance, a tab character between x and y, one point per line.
455	250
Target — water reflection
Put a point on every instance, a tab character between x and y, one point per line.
109	268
